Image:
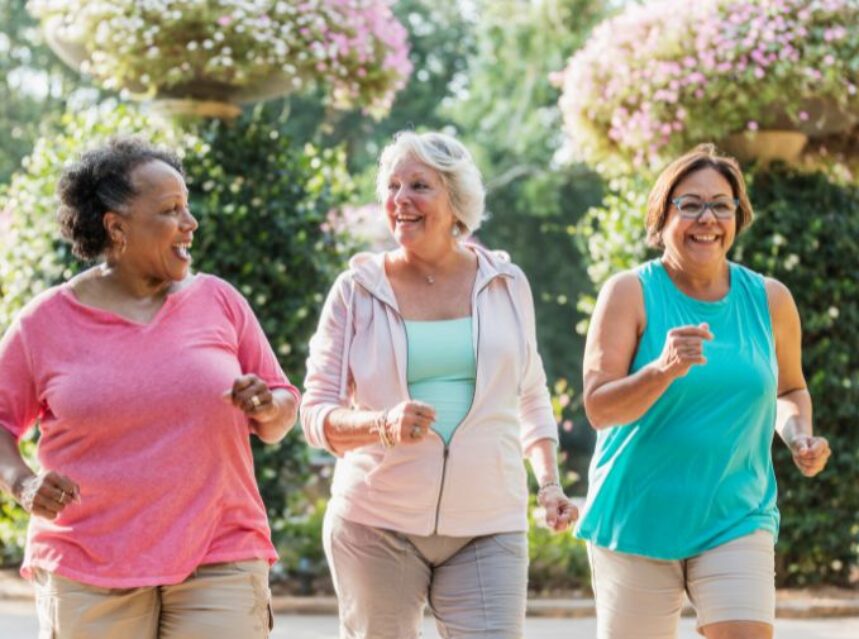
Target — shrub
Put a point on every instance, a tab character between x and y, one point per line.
261	203
666	75
806	234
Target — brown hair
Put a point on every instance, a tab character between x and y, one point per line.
703	156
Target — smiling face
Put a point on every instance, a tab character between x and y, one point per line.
705	241
156	225
417	205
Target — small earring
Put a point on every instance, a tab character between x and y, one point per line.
456	231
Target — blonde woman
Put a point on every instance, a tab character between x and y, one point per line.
425	381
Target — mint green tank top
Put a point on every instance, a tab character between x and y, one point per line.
442	369
695	471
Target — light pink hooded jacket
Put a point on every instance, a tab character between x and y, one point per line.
358	358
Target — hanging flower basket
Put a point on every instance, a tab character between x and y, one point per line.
231	51
664	76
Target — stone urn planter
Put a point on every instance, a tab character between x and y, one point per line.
660	77
200	96
766	146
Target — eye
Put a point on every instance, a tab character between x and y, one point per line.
690	206
419	185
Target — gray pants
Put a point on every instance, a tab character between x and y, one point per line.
475	586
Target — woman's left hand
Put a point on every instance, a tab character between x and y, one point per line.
559	511
810	454
253	396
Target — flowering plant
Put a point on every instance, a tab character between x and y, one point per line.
208	48
661	77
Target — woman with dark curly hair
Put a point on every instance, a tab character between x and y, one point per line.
145	380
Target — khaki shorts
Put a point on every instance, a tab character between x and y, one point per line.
475	587
218	601
642	598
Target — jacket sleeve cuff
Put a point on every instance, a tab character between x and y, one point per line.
313	425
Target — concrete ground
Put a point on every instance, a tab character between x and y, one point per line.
18	621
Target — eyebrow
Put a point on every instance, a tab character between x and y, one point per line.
701	197
171	196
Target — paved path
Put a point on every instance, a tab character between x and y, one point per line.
17	621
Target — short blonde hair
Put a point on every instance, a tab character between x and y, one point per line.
703	156
451	160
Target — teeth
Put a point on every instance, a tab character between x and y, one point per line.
704	238
183	248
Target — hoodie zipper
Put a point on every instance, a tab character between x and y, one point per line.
446	449
446	452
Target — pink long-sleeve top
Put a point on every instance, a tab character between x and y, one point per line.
476	484
134	414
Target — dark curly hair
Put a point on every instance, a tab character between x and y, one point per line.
99	182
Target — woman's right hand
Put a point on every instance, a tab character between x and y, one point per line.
46	494
409	422
684	348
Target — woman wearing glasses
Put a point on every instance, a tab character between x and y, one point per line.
691	362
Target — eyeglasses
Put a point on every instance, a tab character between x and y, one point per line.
692	208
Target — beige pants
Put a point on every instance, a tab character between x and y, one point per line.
475	587
641	598
218	601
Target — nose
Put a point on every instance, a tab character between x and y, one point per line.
189	222
399	195
707	214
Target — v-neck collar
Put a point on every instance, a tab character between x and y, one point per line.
112	317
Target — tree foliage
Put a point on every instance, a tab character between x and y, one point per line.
508	115
34	86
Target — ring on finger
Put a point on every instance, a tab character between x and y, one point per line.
62	497
255	401
416	432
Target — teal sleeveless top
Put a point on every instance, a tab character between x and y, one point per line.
695	471
442	369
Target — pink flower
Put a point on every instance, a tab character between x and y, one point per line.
751	125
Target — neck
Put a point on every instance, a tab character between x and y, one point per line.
432	262
697	277
125	282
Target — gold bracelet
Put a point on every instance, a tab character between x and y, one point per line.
380	427
548	484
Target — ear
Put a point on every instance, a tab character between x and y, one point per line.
114	226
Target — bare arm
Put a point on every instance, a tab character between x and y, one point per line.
560	511
794	422
43	495
406	423
272	412
13	469
611	395
273	427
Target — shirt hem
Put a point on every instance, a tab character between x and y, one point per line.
641	552
149	581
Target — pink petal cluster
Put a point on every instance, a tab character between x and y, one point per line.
356	47
664	75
